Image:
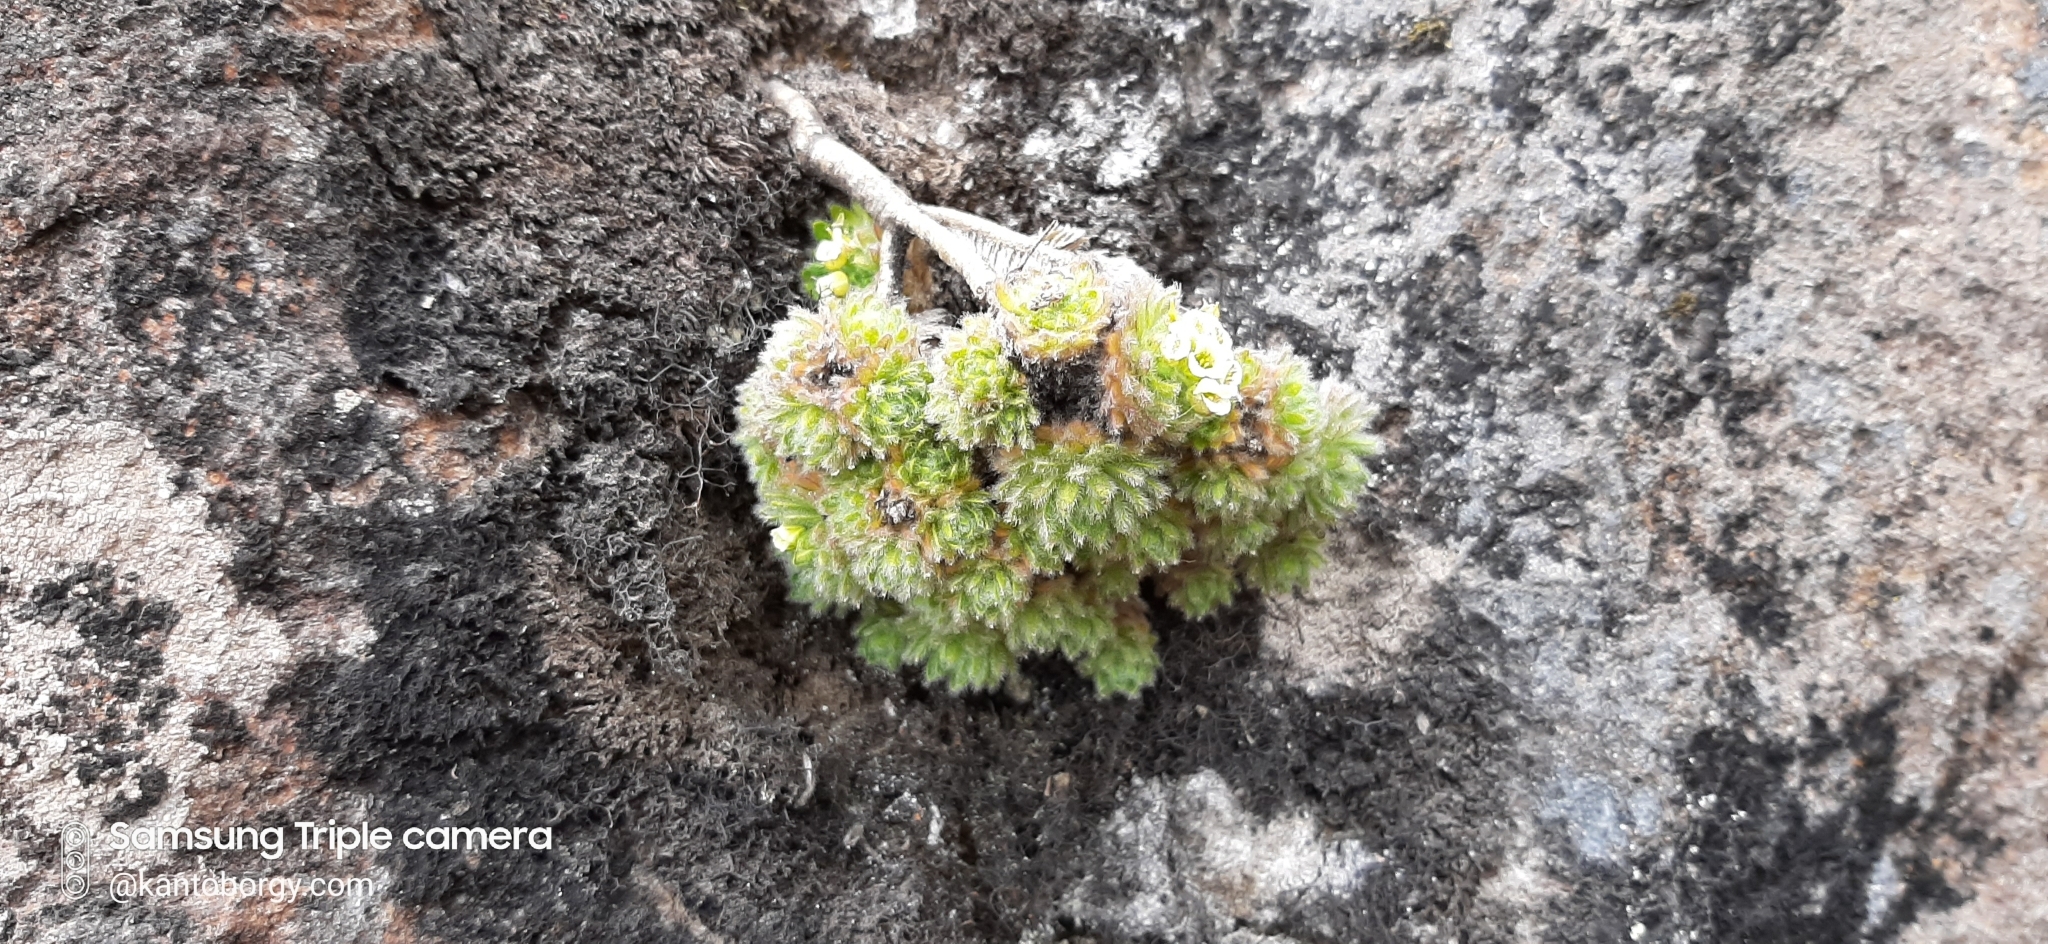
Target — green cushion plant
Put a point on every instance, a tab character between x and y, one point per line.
1004	484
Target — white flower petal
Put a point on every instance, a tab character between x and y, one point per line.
829	250
1210	359
1203	323
1214	396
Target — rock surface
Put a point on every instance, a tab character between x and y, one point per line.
365	370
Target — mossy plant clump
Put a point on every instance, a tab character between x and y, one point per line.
1005	485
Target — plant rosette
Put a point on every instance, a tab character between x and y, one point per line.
987	488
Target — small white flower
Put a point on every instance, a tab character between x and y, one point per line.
1177	342
1214	396
784	536
835	283
1206	320
1209	361
829	251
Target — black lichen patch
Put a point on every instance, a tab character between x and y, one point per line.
393	331
1753	578
624	307
450	713
1756	864
2005	687
1439	305
124	633
1739	405
1403	769
1554	501
218	727
112	696
1788	26
454	711
148	789
1756	600
1708	239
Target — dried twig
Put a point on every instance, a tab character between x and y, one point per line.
866	184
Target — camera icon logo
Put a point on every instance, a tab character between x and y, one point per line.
75	845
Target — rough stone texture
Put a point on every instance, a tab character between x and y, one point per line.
364	369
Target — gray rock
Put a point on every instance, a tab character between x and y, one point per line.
365	372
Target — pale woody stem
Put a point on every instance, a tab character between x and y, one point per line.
867	185
997	233
888	279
